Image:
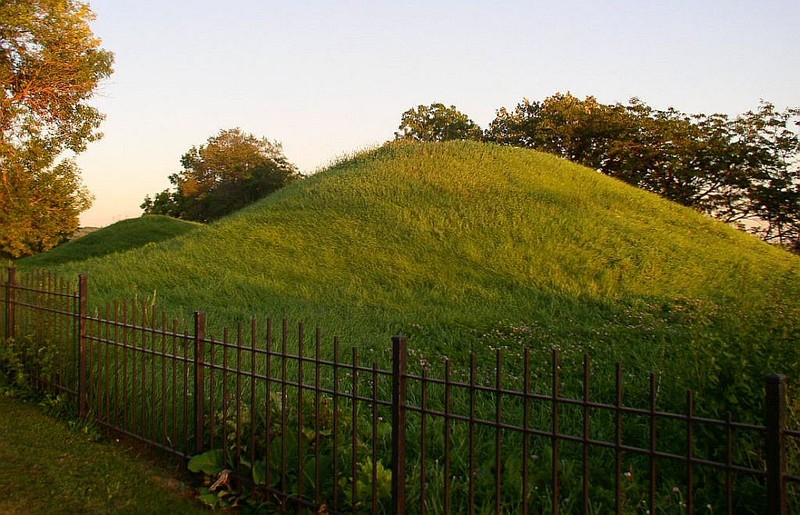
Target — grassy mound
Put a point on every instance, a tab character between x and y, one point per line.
468	246
119	237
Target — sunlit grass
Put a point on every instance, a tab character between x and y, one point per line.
469	247
466	246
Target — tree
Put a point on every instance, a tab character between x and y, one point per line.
771	147
437	123
232	170
50	66
40	208
578	130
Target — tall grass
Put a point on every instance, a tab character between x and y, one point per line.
469	247
119	237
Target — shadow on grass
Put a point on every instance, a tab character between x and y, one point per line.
118	237
58	469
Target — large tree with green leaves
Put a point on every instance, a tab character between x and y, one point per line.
579	130
50	67
41	207
231	170
437	122
770	145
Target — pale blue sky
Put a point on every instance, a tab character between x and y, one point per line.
331	77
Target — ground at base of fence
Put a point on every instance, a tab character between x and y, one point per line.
52	467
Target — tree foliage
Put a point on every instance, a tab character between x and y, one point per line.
232	170
741	170
39	207
50	66
436	122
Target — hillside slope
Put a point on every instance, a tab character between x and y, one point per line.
474	246
118	237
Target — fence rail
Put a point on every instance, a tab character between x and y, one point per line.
303	426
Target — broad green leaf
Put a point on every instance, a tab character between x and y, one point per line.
209	463
260	472
207	497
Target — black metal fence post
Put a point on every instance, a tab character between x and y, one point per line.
399	363
199	380
83	303
776	460
10	309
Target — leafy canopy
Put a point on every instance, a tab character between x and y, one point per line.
50	66
437	122
233	169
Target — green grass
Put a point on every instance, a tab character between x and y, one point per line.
476	247
119	237
467	246
50	468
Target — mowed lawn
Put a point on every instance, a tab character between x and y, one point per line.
49	467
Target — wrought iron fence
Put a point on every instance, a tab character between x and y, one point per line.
306	428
